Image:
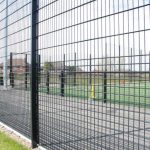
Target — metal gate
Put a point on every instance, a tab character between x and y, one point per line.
89	66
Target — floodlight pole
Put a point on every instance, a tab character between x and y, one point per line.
5	50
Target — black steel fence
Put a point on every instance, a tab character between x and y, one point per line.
76	74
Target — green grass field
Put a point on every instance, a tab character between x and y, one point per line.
7	143
137	94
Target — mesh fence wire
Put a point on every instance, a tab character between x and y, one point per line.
15	26
93	72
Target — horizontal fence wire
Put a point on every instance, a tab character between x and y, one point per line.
15	56
92	67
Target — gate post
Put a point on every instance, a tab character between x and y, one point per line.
34	75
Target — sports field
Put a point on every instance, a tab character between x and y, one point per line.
136	94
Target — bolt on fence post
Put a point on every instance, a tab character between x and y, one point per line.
34	75
11	74
26	72
47	82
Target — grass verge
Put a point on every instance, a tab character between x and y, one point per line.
7	143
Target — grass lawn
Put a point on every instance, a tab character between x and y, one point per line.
7	143
136	94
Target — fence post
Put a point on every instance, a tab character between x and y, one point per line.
34	76
26	72
11	74
62	77
105	86
105	78
47	82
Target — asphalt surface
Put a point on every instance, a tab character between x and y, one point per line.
72	123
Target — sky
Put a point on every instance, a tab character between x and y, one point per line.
96	27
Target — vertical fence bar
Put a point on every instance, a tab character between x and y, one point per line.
90	70
62	78
39	69
149	66
47	81
119	67
140	74
75	69
6	48
26	72
105	80
11	71
62	83
131	65
34	76
105	87
10	67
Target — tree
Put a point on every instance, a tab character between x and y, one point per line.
71	70
48	66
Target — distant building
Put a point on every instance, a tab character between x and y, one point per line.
59	66
18	66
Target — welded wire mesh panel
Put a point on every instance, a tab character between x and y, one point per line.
94	81
15	30
91	63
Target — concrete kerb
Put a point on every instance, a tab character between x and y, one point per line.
18	136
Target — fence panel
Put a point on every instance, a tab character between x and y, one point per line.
89	65
94	90
15	60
